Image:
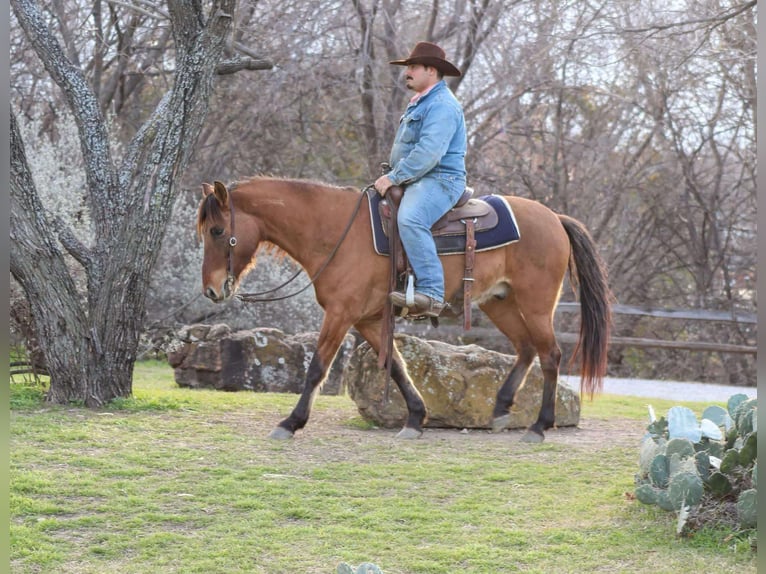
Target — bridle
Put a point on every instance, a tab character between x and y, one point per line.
230	279
258	297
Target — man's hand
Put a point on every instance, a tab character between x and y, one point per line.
382	184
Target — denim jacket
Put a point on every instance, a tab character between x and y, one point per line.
431	140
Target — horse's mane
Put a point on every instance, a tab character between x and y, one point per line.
297	182
210	211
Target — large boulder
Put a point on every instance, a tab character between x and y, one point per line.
261	360
458	384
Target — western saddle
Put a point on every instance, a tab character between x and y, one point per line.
465	218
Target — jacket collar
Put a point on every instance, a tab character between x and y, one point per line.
420	95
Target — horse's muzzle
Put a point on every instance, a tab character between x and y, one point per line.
211	294
222	295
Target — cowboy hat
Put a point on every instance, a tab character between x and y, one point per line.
429	54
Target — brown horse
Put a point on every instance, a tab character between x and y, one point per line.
322	228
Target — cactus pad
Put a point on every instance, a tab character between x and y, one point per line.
719	416
685	489
747	508
702	460
682	423
733	404
663	500
749	450
682	446
730	460
647	494
719	484
659	472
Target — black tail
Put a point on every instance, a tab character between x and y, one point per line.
595	305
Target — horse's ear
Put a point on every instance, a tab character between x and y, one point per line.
207	189
221	193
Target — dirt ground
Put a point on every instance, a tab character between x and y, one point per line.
334	423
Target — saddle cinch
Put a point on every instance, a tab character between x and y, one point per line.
461	222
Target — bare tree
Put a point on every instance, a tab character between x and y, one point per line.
90	343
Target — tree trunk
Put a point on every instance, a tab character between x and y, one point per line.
39	267
90	344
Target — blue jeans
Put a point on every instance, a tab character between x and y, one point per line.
424	202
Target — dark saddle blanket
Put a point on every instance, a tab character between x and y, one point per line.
495	225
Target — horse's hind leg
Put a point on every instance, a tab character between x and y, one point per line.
509	321
416	408
529	335
330	338
550	357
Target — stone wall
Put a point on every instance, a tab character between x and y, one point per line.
261	360
458	383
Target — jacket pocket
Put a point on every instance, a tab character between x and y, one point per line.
411	126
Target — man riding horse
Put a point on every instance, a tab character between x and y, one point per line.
428	157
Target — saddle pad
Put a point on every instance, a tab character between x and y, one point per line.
506	231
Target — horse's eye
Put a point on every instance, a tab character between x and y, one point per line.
216	231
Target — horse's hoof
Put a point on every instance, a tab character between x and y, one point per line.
408	433
281	433
500	423
532	437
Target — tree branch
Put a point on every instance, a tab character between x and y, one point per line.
155	11
716	20
32	251
252	61
94	139
238	63
74	246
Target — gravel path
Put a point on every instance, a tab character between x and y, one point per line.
673	390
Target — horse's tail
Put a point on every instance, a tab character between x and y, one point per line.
595	305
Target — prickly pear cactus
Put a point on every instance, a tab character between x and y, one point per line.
685	464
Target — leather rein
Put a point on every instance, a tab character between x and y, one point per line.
259	296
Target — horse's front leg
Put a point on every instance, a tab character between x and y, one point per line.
300	414
330	338
416	408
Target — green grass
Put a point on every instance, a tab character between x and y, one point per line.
175	480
